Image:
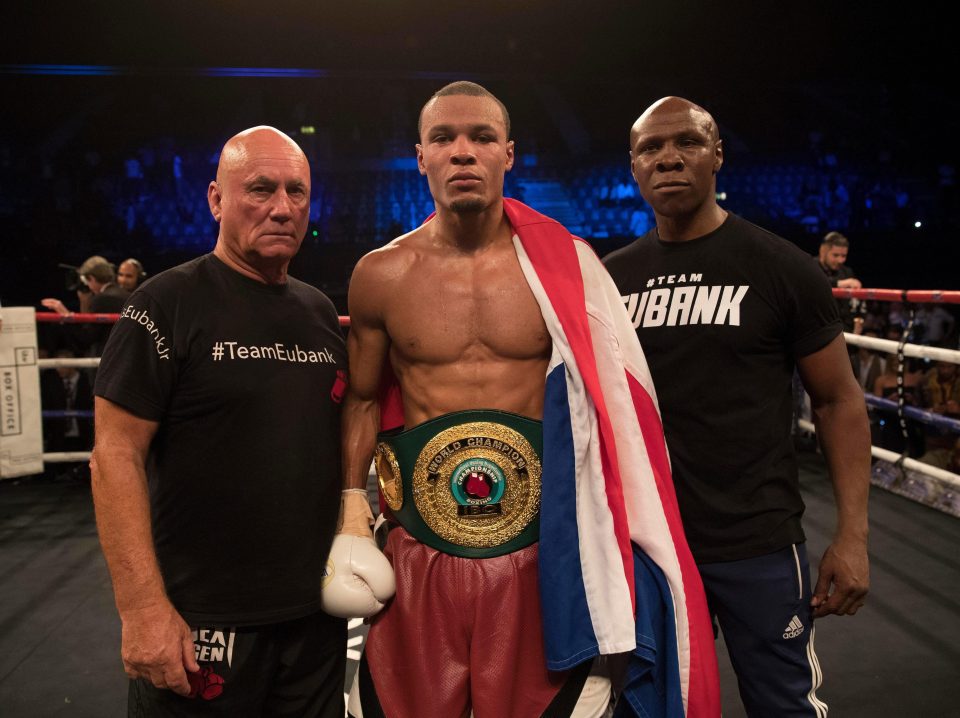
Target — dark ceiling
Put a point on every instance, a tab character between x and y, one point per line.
767	41
761	67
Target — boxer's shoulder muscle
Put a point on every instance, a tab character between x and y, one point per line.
376	280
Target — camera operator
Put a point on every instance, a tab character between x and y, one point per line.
97	293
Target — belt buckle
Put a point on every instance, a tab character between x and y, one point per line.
477	484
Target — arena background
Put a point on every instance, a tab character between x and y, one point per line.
809	97
832	119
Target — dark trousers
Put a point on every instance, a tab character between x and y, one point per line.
294	669
762	605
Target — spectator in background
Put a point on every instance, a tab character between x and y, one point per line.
868	365
897	315
833	261
130	274
953	464
940	393
67	388
937	323
834	248
890	435
876	318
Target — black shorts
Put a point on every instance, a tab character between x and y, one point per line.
296	668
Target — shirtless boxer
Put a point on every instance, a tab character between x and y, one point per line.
448	308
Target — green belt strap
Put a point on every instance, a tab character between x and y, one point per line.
407	447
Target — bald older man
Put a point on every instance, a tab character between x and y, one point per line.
725	310
216	472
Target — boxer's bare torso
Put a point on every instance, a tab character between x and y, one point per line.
460	325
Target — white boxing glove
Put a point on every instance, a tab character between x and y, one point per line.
358	578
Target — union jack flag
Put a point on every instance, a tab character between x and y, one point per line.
609	512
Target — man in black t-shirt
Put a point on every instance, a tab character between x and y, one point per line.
216	471
832	256
725	311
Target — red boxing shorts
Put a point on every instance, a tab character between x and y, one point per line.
461	634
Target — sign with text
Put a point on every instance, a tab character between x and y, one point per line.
21	438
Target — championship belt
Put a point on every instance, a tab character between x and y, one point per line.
466	483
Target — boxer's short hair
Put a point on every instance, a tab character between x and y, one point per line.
471	89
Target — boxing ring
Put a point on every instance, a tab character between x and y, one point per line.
900	473
60	619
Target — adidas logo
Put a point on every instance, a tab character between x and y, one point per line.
793	629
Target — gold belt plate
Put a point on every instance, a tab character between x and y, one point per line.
477	484
388	476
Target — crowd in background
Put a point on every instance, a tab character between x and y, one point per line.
149	199
99	287
930	385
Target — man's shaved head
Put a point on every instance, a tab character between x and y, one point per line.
675	155
239	148
261	198
673	105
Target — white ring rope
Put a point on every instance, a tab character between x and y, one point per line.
79	363
893	457
890	346
883	345
65	457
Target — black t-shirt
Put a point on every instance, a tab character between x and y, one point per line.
721	319
245	380
835	276
846	307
